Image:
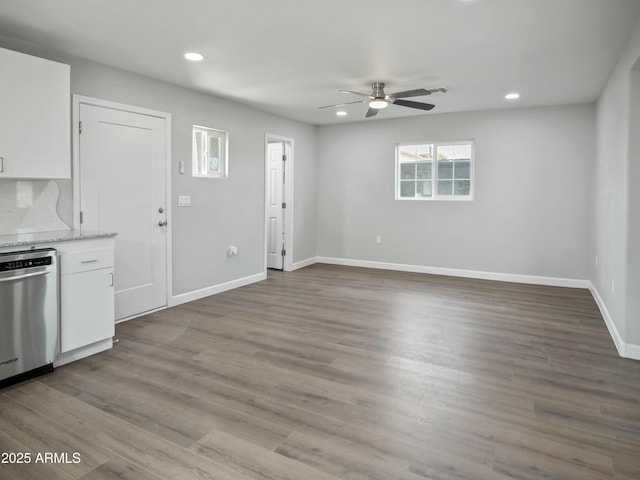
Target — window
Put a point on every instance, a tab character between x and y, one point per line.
434	171
210	152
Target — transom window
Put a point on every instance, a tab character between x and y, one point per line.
434	171
210	157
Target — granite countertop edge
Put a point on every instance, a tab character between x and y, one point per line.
35	238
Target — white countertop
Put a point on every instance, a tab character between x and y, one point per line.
35	238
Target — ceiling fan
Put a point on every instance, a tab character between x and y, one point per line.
378	99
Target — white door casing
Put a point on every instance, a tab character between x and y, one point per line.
278	202
121	187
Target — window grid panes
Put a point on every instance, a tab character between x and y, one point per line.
434	171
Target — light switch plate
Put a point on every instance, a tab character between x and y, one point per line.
184	200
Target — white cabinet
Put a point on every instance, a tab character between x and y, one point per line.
35	119
87	313
86	300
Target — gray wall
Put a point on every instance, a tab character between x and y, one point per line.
223	212
549	198
615	210
530	215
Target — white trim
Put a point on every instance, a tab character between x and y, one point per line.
304	263
435	197
453	272
141	314
632	351
214	289
82	352
288	199
97	102
608	320
626	350
224	135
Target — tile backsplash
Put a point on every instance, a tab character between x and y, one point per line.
28	206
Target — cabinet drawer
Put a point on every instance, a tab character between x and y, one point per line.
86	260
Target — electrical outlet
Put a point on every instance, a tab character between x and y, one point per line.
379	239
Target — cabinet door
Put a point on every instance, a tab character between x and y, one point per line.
87	308
36	117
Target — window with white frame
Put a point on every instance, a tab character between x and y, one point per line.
435	171
210	153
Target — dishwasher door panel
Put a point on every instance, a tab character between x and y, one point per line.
29	316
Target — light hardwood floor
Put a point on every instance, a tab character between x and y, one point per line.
343	373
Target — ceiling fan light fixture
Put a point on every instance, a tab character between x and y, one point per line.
194	56
377	103
378	99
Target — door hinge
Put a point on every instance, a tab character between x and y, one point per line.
284	252
284	204
79	127
284	158
81	217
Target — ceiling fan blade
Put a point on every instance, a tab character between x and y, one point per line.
342	104
418	92
371	112
355	93
409	103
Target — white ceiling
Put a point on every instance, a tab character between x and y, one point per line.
290	57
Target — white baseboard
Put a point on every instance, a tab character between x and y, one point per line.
223	287
608	320
141	314
82	352
626	350
632	351
304	263
453	272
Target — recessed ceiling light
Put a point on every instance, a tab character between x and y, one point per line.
194	57
341	113
512	96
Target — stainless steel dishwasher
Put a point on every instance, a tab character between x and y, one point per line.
29	314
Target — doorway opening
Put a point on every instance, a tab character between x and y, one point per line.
278	202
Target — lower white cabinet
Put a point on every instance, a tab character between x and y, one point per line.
86	310
86	298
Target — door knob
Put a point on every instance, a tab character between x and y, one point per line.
162	223
161	210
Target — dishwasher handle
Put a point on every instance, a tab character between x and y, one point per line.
20	277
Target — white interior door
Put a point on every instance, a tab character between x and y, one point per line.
275	199
122	167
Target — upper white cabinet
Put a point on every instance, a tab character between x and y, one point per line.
35	117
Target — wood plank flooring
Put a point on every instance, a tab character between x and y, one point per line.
333	373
